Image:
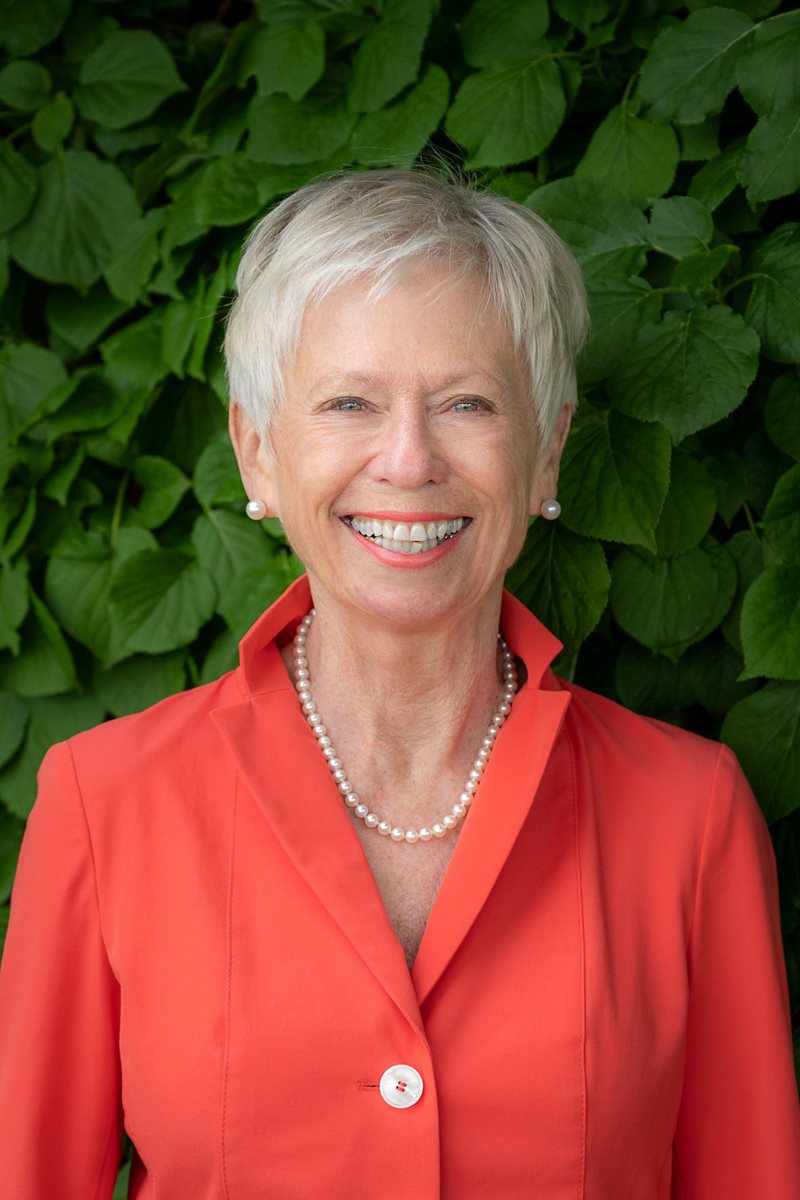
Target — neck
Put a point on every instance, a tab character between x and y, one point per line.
406	710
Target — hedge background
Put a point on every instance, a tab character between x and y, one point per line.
140	143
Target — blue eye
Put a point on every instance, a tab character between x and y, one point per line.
468	405
346	404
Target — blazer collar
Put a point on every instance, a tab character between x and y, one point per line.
282	770
261	670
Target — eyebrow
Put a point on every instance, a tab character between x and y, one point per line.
359	379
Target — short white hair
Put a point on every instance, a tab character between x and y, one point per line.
375	224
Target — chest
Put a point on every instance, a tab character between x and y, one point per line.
408	879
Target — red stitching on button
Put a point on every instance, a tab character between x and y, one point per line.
401	1085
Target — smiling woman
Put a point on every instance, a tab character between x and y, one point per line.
392	889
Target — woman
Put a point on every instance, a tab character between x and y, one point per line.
391	909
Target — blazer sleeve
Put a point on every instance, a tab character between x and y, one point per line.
60	1110
738	1128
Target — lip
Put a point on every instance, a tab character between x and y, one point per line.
389	515
408	562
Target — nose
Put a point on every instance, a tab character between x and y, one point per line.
408	454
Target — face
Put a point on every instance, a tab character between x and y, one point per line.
405	460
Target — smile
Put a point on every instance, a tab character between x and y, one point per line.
406	537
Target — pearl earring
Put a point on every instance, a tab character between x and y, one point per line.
550	510
255	509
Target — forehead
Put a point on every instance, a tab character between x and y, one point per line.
432	321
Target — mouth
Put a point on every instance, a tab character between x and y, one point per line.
407	537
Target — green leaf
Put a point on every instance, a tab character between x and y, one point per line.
764	731
781	520
680	226
179	328
223	656
770	165
24	85
668	604
230	190
53	123
691	67
614	477
771	624
696	272
216	476
126	78
82	207
582	13
651	683
773	308
501	31
133	354
506	115
634	156
782	414
397	135
16	539
715	181
747	551
163	486
44	664
689	371
18	183
767	74
713	672
617	307
13	722
389	56
255	587
13	603
140	681
285	57
78	588
161	598
52	719
217	287
604	230
689	508
28	374
282	131
564	579
135	255
25	28
60	480
81	320
699	143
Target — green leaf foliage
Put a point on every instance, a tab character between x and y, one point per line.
126	78
141	143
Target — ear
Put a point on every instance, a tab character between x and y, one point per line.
254	457
545	480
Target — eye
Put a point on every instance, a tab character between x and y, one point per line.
469	404
346	404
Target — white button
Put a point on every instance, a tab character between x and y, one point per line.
401	1085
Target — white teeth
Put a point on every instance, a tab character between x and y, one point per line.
406	537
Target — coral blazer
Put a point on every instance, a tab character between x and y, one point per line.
198	953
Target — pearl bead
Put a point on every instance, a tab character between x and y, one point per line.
302	683
550	510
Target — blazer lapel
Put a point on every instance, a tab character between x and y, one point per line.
278	757
502	803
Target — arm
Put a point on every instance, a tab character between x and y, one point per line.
738	1130
60	1111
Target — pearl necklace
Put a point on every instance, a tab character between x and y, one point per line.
302	680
